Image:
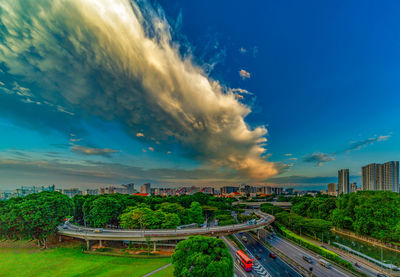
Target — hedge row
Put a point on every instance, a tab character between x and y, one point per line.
315	248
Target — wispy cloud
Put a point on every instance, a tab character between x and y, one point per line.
241	91
123	66
92	151
288	154
140	135
298	179
357	145
244	74
318	158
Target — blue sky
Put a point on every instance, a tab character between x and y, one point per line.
164	100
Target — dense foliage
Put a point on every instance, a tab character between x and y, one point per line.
130	211
315	248
314	207
202	256
313	227
372	213
35	216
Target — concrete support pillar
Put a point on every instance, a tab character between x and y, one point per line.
60	238
154	249
101	243
258	233
88	245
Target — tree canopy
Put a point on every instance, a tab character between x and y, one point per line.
35	216
202	256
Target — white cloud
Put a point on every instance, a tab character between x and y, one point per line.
92	151
244	74
242	50
240	90
139	135
116	61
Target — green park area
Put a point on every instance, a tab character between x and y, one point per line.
69	261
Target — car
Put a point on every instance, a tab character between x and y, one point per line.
65	226
323	246
308	259
260	251
381	275
258	257
272	255
98	230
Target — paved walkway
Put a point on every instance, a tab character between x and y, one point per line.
157	270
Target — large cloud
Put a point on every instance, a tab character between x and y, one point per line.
115	59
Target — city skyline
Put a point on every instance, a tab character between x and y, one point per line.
176	99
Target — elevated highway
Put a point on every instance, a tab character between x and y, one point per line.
89	234
257	204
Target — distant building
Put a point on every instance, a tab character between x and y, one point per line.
381	176
130	188
289	190
72	192
207	190
145	188
229	189
343	184
271	190
91	192
369	176
332	189
353	187
391	176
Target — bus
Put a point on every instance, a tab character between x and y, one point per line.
244	261
325	263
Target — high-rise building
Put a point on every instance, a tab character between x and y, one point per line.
343	184
332	189
369	176
391	176
146	188
381	176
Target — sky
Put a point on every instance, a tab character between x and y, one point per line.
101	92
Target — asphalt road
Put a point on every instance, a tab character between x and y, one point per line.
273	267
239	271
296	253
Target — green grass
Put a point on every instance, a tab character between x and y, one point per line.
71	262
166	272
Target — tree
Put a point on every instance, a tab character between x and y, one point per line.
171	221
35	216
143	218
103	211
202	256
196	213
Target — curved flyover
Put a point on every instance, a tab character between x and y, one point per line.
159	235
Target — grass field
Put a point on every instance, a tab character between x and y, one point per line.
166	272
71	262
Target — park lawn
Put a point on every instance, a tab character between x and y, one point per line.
166	272
63	261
